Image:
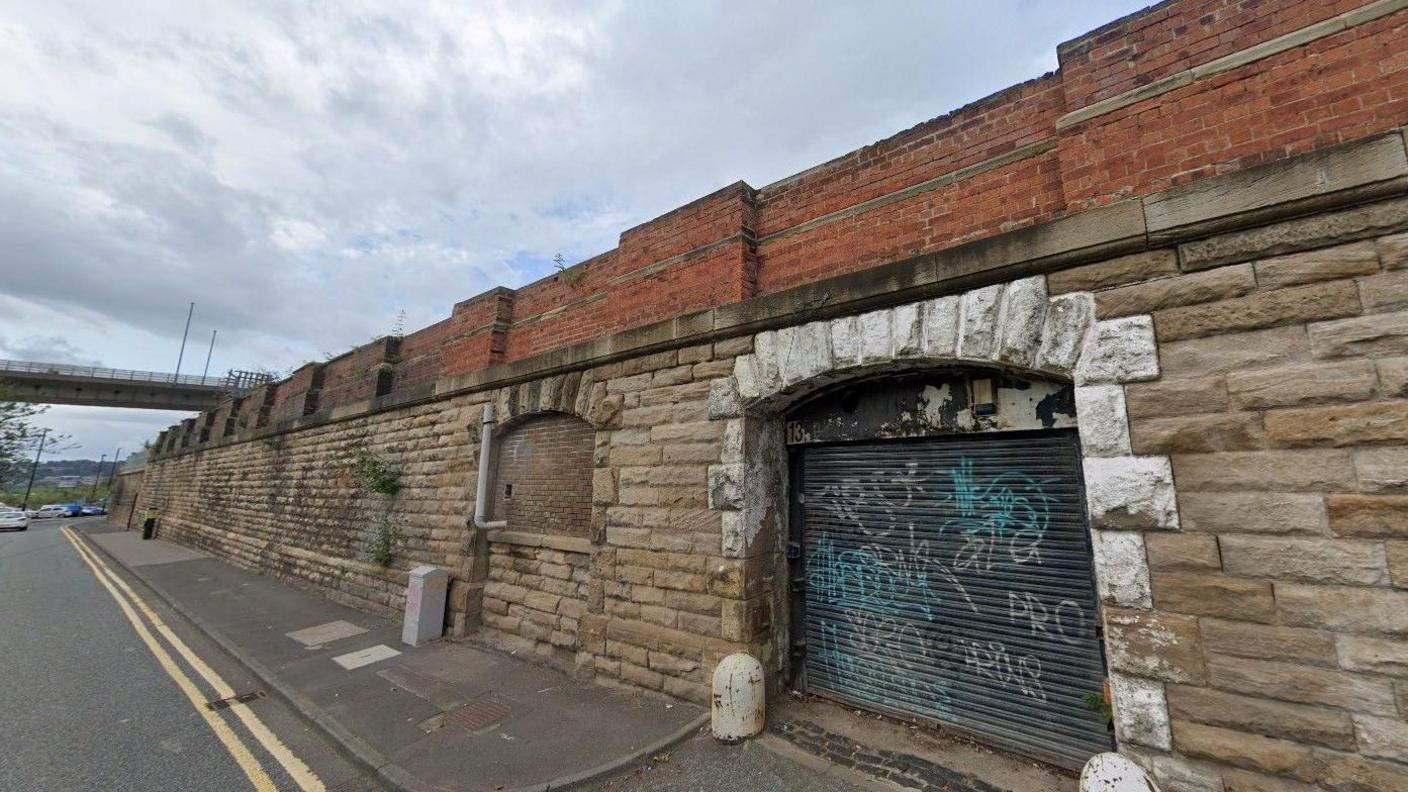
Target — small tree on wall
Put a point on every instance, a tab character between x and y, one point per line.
375	476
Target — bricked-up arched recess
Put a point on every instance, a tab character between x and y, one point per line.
543	475
1013	326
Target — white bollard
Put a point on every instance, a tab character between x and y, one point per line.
425	605
1110	772
740	698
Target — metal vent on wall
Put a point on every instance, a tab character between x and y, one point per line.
950	580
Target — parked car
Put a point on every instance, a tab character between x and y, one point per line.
51	511
92	511
14	519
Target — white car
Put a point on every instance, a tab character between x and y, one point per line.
14	519
52	510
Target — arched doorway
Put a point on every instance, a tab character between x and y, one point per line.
940	557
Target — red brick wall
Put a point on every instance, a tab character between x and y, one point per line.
739	242
547	461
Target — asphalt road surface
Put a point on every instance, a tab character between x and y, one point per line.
103	687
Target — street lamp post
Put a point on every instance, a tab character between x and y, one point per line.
38	452
93	493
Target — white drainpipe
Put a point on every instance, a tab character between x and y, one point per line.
486	453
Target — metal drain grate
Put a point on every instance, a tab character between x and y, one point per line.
477	715
243	698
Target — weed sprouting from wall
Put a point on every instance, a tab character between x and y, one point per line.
375	475
382	547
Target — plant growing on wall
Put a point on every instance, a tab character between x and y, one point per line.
382	547
375	475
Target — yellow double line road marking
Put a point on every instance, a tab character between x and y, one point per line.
130	603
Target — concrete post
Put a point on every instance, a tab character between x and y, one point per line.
425	605
740	700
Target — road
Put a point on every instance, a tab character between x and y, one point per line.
104	687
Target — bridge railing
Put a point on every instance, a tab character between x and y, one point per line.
63	369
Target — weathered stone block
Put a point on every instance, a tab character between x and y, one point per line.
1277	757
1119	350
1398	565
765	362
1351	773
1169	552
1267	309
1173	397
876	336
1115	272
1214	595
1373	335
1393	251
1192	434
1310	383
1342	261
1299	722
1022	317
1251	512
1292	235
725	401
1303	684
1180	290
1373	655
1310	560
1102	422
1200	357
1382	469
1130	493
1342	425
1385	292
1393	376
1269	642
845	341
908	332
1287	471
1063	333
1157	645
1386	738
978	329
1140	712
1122	573
1351	609
940	317
803	352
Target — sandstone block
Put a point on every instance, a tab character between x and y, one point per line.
1341	261
1180	774
1393	376
1384	292
728	347
1115	272
1252	512
1170	552
1351	609
1351	773
1301	684
1343	425
1130	493
845	341
1022	316
1292	235
725	401
1140	712
1373	655
1299	722
1064	330
1119	350
1269	642
978	315
1393	251
1382	469
1268	755
1103	424
1373	335
1291	386
1309	560
908	331
876	336
1214	595
1193	434
1266	309
1157	645
1384	516
803	352
1264	471
1122	574
1179	290
940	319
726	486
1386	738
1173	397
1398	564
1220	354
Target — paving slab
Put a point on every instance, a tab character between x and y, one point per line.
444	715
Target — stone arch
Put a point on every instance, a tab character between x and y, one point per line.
1014	326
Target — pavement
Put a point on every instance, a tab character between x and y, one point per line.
448	715
87	706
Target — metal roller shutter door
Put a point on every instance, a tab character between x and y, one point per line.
951	579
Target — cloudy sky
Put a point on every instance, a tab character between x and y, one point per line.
306	171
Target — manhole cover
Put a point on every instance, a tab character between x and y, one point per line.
477	715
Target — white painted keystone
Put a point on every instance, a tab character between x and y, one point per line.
1130	493
1141	711
1119	350
908	331
1063	334
941	327
1023	315
978	314
876	329
1122	570
845	341
1102	420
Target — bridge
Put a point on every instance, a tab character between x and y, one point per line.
57	383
